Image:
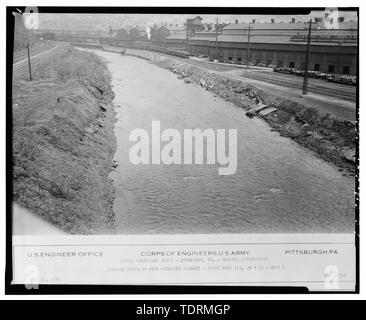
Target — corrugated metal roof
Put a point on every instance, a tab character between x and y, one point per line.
289	26
254	39
273	39
237	38
269	26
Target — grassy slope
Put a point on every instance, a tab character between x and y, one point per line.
63	142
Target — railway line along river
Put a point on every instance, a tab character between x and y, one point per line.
278	185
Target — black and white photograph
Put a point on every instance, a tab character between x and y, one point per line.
175	123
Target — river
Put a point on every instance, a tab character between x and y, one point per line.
278	186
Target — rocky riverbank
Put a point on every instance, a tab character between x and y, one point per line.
63	142
330	138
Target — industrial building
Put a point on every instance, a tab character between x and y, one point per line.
334	44
333	50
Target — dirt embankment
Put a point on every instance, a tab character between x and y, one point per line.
63	142
332	139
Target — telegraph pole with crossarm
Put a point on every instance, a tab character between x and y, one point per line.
29	62
217	39
307	58
248	49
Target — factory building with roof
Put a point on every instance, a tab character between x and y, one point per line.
333	45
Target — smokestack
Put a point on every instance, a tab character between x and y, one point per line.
148	33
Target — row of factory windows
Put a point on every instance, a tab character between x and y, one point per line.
316	67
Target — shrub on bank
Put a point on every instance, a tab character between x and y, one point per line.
69	63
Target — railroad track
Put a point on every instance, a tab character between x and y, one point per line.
346	92
22	58
339	91
22	54
212	66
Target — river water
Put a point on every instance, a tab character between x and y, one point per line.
278	186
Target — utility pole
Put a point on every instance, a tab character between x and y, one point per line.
187	36
217	39
307	57
248	49
29	62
